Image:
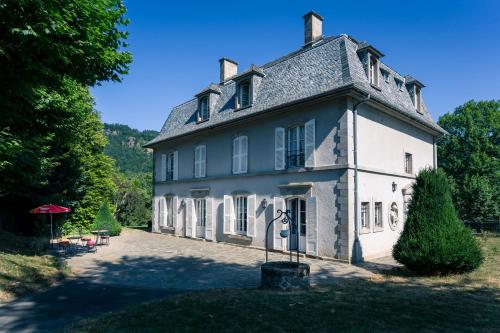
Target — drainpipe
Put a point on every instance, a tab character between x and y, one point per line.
357	247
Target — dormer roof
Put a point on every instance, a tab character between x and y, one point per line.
212	88
366	47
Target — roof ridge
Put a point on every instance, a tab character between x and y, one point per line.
302	50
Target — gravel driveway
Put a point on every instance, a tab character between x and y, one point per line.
140	266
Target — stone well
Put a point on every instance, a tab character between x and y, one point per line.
284	275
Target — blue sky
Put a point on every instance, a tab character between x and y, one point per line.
453	47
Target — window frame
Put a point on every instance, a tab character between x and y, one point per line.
378	215
299	152
200	205
408	163
170	166
203	114
373	70
239	157
241	217
244	83
200	162
365	216
169	206
418	98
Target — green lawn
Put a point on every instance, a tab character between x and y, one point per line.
393	302
24	266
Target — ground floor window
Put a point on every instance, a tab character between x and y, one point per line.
240	205
365	215
201	212
170	212
378	215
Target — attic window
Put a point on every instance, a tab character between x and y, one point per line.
418	99
385	75
399	84
244	94
203	109
373	70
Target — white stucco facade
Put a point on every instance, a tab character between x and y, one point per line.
293	135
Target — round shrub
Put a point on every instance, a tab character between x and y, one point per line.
105	220
434	240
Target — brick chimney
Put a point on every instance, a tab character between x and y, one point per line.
228	69
313	27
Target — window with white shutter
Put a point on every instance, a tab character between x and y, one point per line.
240	154
200	161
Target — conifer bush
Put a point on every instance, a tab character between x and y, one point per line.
105	220
434	241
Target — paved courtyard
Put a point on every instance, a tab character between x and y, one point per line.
140	266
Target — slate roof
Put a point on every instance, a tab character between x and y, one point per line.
328	65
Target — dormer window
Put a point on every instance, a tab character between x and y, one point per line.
203	112
399	84
373	70
418	99
244	94
385	75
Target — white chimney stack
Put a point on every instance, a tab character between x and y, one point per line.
313	27
228	69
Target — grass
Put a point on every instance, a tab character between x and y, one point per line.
25	267
394	301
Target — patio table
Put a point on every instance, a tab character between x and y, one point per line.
98	234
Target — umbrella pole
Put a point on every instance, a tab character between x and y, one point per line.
51	232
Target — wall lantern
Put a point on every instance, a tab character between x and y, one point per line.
183	203
394	186
263	204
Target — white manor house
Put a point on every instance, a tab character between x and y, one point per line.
328	132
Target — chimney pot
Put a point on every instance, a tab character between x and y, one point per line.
228	69
313	27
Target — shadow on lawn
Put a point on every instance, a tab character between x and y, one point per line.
130	281
116	285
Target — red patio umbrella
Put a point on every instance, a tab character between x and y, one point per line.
50	209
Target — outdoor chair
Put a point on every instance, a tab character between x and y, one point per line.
105	238
84	239
91	245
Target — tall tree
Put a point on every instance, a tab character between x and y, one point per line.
470	155
50	52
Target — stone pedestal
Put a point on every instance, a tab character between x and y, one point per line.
285	276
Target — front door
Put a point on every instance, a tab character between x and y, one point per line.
201	217
297	208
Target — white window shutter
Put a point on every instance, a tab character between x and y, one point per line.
279	204
312	226
175	210
164	210
279	148
163	167
203	161
228	215
310	142
154	215
176	165
243	154
209	227
189	217
236	154
251	212
197	162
